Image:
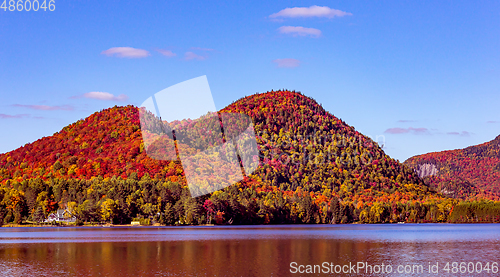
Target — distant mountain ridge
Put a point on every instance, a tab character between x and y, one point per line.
466	173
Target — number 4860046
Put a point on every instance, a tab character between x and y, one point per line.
28	5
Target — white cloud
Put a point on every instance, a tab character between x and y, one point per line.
299	31
45	107
462	134
416	131
192	56
5	116
166	53
312	11
105	96
126	52
287	62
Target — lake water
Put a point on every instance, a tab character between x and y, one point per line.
279	250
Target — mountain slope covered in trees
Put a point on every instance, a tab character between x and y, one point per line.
314	168
466	173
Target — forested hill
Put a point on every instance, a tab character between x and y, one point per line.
314	168
466	173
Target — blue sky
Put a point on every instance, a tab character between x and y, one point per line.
421	76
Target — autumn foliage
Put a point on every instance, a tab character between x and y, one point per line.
313	168
472	173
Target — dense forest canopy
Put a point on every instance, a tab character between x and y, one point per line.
313	168
469	173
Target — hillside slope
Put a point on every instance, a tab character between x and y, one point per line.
469	173
313	168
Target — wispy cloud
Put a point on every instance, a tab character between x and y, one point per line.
419	131
8	116
193	56
493	122
126	52
416	131
99	95
166	53
312	11
396	131
46	108
300	31
462	134
286	63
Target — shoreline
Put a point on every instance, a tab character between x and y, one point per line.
213	225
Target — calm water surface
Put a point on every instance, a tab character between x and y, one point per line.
251	250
